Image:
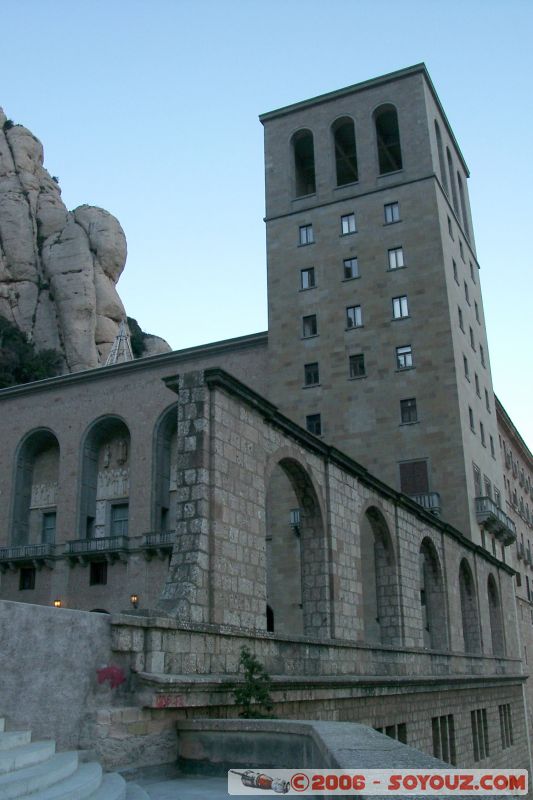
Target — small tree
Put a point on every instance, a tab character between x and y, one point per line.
254	693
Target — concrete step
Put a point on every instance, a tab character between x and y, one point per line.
81	785
134	792
25	755
39	777
113	787
14	739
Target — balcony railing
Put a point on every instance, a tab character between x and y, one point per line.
159	544
36	554
430	501
495	520
112	547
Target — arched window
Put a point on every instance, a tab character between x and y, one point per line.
345	151
36	485
469	614
165	486
388	139
432	600
452	180
442	165
104	499
463	205
304	163
495	614
381	611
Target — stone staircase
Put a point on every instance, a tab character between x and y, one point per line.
34	770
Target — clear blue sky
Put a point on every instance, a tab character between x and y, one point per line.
149	109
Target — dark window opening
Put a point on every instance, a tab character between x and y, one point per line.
270	619
388	140
314	424
49	527
304	163
98	573
414	477
119	520
345	152
357	366
27	578
311	375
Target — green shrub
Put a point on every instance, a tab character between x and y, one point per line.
20	362
254	693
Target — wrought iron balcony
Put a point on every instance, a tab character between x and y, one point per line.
430	501
495	520
158	544
84	550
38	555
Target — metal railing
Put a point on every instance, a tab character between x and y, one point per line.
26	552
488	513
162	539
104	544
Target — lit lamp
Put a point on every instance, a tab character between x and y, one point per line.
58	603
134	600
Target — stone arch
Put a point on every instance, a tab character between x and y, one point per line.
432	597
164	485
35	488
496	619
105	474
440	151
381	606
303	152
388	139
469	609
345	148
296	553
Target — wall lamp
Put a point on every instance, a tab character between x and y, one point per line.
58	603
134	600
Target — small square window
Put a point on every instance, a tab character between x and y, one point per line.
351	268
400	308
460	315
348	224
472	340
477	311
314	424
26	578
98	573
471	419
392	213
354	317
306	235
357	366
487	401
461	250
311	374
309	324
396	258
307	278
482	354
467	293
404	357
408	411
450	229
472	272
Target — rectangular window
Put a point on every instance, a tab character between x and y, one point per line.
477	480
480	733
476	307
466	368
455	275
460	315
313	424
396	258
309	326
461	250
354	317
497	497
472	340
487	401
450	229
476	379
400	308
119	519
443	730
26	578
307	278
414	478
351	268
506	726
467	293
49	527
404	357
408	411
357	366
488	486
482	355
306	235
492	451
311	374
348	224
472	273
392	213
471	419
482	433
98	573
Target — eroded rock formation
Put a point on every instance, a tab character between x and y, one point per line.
58	268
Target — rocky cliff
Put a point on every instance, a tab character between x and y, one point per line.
58	268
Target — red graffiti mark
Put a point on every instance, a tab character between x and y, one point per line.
115	675
169	701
